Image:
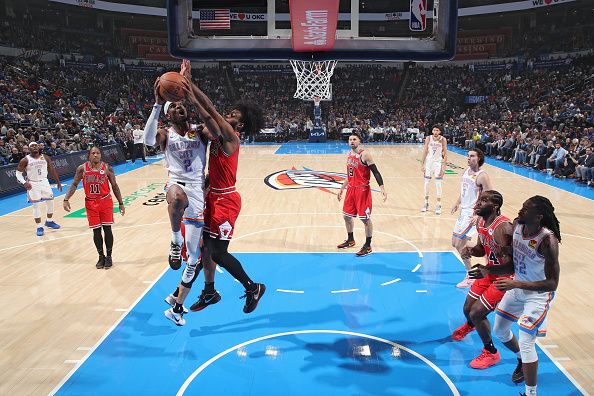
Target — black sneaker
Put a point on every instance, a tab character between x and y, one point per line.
252	298
518	374
108	262
365	250
205	300
100	263
175	257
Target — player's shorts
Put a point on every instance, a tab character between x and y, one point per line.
40	191
528	308
99	211
433	169
194	212
357	202
465	228
484	290
222	210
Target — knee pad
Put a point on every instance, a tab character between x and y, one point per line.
528	347
36	210
50	206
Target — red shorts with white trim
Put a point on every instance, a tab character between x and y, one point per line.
221	213
484	290
99	211
357	202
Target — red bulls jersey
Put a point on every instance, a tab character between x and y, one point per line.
357	172
486	237
222	168
95	181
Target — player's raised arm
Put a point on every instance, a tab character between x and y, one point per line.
152	135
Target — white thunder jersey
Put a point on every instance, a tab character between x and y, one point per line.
470	191
185	157
36	169
528	262
435	150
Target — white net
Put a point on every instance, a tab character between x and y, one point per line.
313	79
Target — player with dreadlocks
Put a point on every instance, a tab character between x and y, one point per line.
528	296
494	234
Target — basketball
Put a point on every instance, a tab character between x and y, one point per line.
171	86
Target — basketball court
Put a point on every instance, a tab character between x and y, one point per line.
329	322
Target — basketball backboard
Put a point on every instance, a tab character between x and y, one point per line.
366	30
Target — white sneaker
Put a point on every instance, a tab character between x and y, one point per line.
465	283
425	207
176	318
170	299
438	210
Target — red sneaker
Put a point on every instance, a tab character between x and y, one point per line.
485	360
461	332
346	244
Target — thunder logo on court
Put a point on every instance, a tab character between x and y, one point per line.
295	179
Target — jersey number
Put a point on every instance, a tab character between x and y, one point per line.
39	171
350	172
188	165
493	259
94	188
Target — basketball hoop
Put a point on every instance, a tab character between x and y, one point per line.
313	79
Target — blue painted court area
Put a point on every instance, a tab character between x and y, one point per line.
563	184
18	201
328	324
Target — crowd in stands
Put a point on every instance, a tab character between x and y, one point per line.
521	114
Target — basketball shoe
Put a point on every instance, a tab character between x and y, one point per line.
425	207
108	262
170	299
39	231
177	318
485	360
175	256
252	297
52	224
465	283
205	300
100	263
518	374
365	250
438	210
462	332
346	244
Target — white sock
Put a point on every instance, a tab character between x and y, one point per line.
530	390
177	237
426	187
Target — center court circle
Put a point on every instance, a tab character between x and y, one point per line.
319	362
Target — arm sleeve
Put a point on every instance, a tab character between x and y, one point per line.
150	129
376	174
20	177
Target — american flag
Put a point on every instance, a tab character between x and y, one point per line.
215	19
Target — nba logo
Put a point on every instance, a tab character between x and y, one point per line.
418	15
